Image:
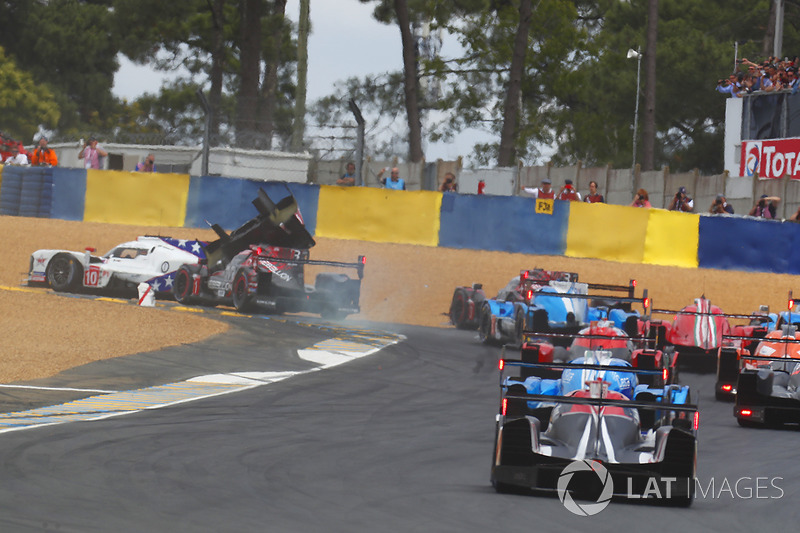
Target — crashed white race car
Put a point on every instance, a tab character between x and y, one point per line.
149	259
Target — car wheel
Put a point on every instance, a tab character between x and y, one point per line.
64	273
242	299
182	285
485	325
519	325
458	308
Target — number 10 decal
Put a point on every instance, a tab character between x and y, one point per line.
92	276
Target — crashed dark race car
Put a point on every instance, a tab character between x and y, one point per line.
261	266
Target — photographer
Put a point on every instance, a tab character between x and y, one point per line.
681	202
765	208
568	192
43	155
449	184
731	86
720	206
642	199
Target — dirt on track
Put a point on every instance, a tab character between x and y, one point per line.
44	334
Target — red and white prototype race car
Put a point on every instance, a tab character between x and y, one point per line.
698	331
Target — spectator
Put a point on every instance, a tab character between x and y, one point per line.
481	186
449	184
594	197
394	182
765	207
348	179
44	156
720	206
681	202
545	191
796	216
642	199
148	165
16	158
92	154
730	86
568	192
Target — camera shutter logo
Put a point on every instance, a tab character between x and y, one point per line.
752	158
585	509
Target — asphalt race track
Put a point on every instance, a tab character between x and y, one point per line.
399	440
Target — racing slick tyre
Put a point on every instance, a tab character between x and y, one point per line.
182	285
242	299
519	325
64	273
485	324
458	309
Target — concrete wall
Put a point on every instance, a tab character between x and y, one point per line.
223	161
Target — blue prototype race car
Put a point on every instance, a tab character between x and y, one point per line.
548	301
645	438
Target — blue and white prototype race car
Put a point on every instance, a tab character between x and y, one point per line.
149	259
644	437
550	301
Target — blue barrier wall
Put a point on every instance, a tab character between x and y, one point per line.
731	243
69	193
26	192
502	223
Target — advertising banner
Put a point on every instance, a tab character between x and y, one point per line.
773	158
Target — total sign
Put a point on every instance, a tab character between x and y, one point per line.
771	159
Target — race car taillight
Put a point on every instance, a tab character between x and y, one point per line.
633	283
504	408
745	412
665	374
502	364
790	305
525	275
646	303
259	250
362	259
696	420
529	295
727	388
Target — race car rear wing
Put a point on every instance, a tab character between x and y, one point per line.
684	408
358	265
701	313
534	334
644	300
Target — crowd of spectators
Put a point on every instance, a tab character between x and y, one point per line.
772	74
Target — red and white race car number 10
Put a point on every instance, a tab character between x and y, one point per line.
92	276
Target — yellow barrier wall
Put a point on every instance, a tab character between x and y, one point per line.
672	239
603	231
136	198
379	215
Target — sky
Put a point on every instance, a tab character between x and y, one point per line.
345	41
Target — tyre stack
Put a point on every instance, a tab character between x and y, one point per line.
26	192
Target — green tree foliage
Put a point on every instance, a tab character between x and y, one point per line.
476	83
24	105
596	101
207	38
67	46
